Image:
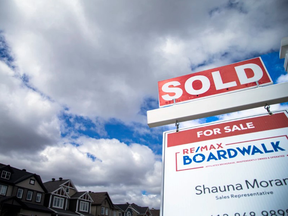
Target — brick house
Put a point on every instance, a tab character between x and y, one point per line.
21	193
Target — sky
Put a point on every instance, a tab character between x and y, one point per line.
77	78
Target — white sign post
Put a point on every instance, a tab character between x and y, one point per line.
235	168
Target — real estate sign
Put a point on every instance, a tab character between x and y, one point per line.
237	168
237	76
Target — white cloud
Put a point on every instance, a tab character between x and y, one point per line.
253	112
29	121
92	57
283	78
101	60
124	171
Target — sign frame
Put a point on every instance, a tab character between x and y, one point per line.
207	125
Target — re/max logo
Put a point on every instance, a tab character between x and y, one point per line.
229	153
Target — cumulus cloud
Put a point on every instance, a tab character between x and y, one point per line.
104	165
92	57
102	61
283	78
29	121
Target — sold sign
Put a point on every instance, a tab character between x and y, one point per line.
241	75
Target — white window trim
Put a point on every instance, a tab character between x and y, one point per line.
61	202
21	196
32	181
5	174
38	197
29	198
84	206
3	189
102	210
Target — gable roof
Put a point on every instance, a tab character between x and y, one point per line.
123	206
53	185
84	195
14	201
18	175
155	212
141	210
99	197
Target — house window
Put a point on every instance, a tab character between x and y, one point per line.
58	202
5	175
120	214
19	193
29	195
84	206
102	210
107	211
3	189
38	197
32	181
129	213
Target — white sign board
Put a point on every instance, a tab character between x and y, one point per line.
233	168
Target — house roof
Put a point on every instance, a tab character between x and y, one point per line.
123	206
141	210
56	184
17	202
61	212
84	195
99	197
18	175
155	212
78	194
53	185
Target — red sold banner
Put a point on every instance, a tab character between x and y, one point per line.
237	76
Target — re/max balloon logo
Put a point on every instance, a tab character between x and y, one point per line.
230	153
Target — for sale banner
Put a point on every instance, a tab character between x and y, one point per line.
233	168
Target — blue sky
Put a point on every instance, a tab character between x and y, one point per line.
77	78
115	128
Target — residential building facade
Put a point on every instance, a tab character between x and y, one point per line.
134	210
21	193
24	194
63	198
103	205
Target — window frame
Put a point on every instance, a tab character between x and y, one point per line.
38	197
84	206
29	192
5	174
32	181
102	210
22	192
5	190
60	199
